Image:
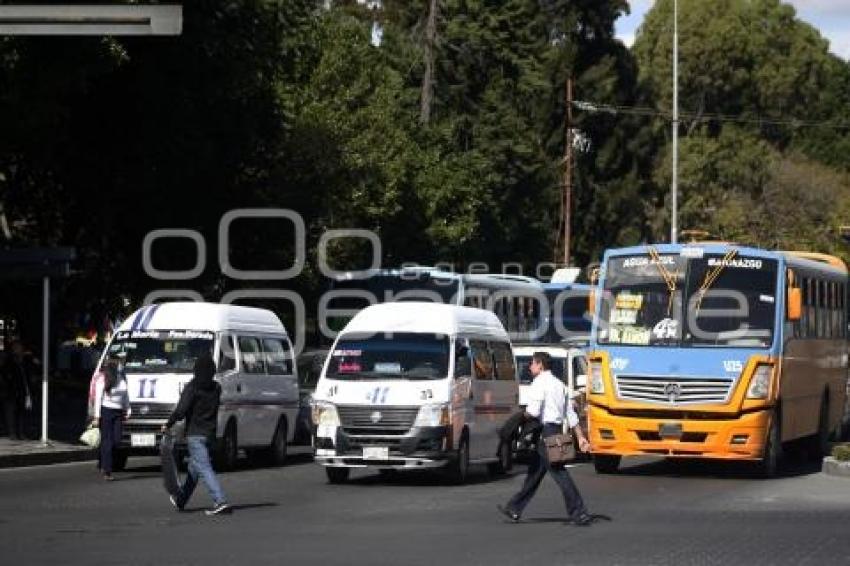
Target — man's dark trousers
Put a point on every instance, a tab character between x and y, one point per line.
537	468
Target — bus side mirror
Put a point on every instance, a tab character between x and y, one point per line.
795	303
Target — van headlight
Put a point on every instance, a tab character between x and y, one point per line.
432	415
597	384
760	382
324	414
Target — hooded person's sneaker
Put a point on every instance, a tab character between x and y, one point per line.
175	503
219	509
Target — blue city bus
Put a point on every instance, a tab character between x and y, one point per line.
716	351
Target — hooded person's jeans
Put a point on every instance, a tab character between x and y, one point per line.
200	467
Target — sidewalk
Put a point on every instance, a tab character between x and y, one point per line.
16	453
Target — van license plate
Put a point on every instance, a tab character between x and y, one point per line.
670	430
376	453
143	440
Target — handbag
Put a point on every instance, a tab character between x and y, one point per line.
91	436
559	448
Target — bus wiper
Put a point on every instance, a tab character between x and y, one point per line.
711	277
669	278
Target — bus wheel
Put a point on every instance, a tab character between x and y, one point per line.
277	450
819	443
769	463
506	460
606	464
228	449
338	475
459	469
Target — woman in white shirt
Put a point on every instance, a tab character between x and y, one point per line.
111	407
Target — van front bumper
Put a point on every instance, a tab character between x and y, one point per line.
425	447
739	438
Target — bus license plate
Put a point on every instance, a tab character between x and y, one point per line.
376	453
670	430
143	440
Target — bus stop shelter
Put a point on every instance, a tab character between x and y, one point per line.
32	264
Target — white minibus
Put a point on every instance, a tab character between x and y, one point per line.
416	385
157	347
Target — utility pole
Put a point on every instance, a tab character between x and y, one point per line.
568	171
674	184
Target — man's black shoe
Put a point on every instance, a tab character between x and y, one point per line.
512	515
583	520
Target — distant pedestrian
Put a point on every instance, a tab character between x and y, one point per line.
548	403
111	408
199	404
15	391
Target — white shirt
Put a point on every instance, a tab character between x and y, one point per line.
117	398
547	400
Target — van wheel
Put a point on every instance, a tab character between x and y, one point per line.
606	464
769	463
228	449
459	469
338	475
506	460
278	448
119	460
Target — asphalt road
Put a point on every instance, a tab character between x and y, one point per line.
660	513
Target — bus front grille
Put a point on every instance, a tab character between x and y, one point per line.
672	390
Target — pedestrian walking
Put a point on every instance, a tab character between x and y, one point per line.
548	404
15	392
198	404
111	409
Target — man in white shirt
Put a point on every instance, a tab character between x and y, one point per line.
548	403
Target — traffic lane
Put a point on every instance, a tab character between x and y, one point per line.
660	515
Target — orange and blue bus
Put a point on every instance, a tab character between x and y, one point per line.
716	351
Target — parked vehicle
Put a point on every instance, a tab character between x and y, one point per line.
414	386
310	363
157	347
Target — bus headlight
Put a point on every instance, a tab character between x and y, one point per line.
324	414
597	385
760	382
432	415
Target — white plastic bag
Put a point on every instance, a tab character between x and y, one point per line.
91	436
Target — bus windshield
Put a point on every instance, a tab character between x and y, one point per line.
400	355
670	300
152	351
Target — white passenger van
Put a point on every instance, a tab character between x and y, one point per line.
157	346
416	385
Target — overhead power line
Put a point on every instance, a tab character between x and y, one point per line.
706	116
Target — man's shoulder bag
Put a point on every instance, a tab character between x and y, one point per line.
559	448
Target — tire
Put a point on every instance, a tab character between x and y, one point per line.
769	464
119	460
506	460
277	450
459	468
338	475
228	450
818	445
606	464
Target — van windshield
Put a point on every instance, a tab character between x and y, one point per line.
155	351
397	355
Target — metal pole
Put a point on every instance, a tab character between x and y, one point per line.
45	359
568	173
674	186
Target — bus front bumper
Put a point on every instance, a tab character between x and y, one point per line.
738	438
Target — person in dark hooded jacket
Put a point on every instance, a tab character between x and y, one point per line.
198	404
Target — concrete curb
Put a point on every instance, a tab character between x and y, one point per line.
834	467
43	455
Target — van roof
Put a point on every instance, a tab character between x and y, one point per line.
426	318
202	316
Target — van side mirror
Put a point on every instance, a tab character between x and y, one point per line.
462	351
581	381
794	308
463	366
